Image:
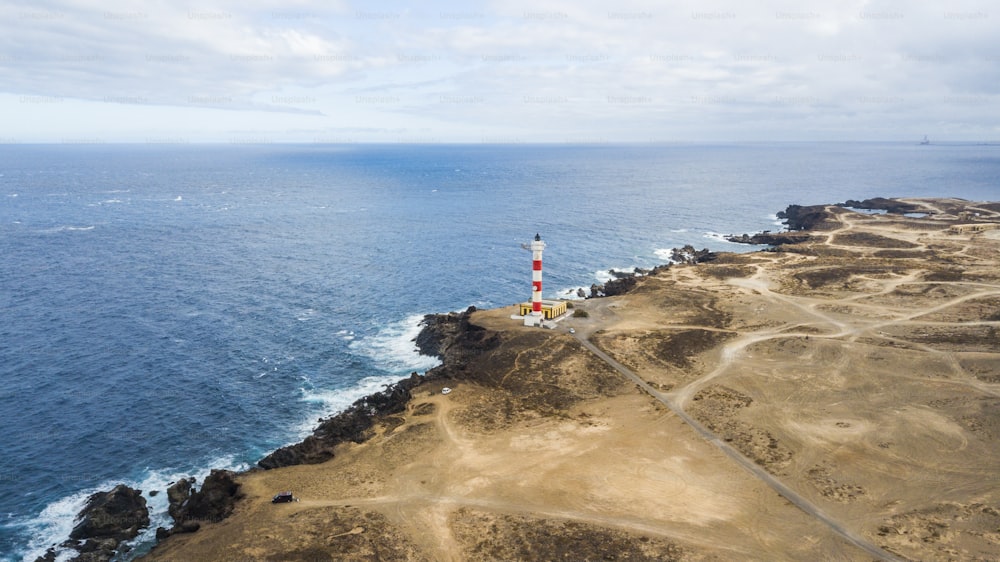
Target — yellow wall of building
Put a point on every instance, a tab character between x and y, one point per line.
548	311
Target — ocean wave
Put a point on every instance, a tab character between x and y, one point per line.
335	401
664	254
570	294
718	237
393	348
160	480
67	228
604	275
54	524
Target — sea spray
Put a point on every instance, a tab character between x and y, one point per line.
393	349
54	524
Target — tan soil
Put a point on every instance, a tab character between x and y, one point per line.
867	383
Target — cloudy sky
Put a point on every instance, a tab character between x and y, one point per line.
505	71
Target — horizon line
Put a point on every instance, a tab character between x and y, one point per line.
179	141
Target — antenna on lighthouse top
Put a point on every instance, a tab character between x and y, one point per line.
530	247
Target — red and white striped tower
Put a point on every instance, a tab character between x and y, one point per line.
535	318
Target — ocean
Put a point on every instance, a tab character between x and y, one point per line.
166	309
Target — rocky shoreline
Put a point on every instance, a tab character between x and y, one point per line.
110	519
450	337
800	219
107	521
845	373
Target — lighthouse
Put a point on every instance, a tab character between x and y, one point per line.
534	318
536	311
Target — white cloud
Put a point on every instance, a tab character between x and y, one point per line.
552	70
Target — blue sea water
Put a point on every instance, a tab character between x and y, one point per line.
167	309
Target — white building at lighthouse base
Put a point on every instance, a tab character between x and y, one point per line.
551	310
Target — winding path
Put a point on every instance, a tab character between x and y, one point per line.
750	466
835	327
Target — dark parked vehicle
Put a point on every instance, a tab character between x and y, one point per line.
283	497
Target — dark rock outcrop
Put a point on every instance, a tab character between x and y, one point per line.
769	238
212	503
441	330
177	494
106	521
620	285
797	217
455	340
881	203
689	255
622	282
450	337
353	424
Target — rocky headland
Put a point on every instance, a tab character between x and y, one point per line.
836	397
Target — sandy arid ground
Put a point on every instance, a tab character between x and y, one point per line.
833	400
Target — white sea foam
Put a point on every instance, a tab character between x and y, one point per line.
393	348
664	254
604	275
336	401
111	201
679	230
160	480
55	522
53	525
58	229
719	237
570	294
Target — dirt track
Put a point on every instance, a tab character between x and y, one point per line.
862	386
